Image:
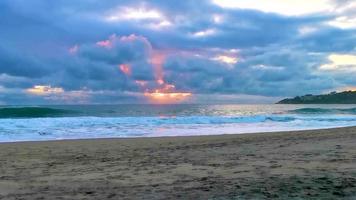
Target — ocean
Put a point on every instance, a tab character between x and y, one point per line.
36	123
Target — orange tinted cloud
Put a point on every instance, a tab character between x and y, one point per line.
161	92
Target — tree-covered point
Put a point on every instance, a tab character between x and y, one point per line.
346	97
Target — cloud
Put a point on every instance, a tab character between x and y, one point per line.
204	33
127	13
226	59
58	94
283	7
43	90
16	64
340	62
115	51
345	18
344	22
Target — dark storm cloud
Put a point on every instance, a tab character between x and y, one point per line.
277	55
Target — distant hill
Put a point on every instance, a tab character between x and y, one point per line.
346	97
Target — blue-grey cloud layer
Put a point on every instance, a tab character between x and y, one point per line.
274	58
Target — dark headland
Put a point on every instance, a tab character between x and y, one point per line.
346	97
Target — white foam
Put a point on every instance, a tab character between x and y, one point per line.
33	129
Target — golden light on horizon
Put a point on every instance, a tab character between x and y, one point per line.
158	97
44	90
347	88
167	94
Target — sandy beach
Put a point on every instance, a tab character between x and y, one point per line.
317	164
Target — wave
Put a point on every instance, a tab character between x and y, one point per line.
247	119
80	127
324	111
203	120
32	112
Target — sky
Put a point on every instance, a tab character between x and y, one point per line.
174	51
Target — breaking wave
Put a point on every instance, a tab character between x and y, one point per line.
79	122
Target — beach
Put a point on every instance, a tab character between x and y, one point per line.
314	164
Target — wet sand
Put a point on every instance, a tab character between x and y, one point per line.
319	164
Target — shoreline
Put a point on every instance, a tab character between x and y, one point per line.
172	137
312	164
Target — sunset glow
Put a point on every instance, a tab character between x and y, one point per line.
157	60
346	88
44	90
167	98
126	69
137	51
159	92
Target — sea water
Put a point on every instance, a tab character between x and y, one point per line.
34	123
